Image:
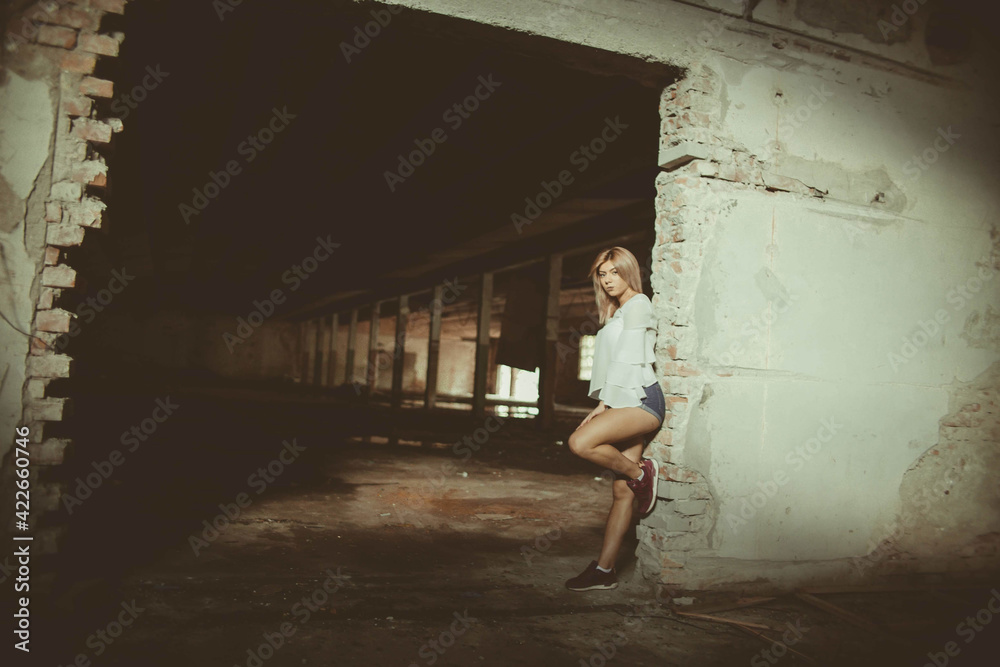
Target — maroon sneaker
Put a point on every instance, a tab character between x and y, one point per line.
593	579
645	490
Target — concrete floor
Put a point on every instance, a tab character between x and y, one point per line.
415	545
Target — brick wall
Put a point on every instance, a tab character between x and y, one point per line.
63	41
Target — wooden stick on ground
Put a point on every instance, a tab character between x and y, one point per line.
728	621
739	603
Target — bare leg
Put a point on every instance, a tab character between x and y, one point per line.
591	441
620	516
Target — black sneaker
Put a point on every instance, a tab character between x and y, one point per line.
593	579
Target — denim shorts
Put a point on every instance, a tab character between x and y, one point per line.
654	403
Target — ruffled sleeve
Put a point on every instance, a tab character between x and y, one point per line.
630	364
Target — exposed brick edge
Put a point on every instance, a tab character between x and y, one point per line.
67	31
704	167
686	210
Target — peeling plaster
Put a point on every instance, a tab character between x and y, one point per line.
950	500
26	127
26	131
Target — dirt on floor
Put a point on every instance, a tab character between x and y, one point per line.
244	537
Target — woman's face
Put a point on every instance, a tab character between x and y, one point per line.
612	283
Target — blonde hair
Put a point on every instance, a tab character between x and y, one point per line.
628	268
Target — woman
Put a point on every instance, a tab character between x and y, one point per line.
631	405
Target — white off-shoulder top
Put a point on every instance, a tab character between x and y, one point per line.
623	355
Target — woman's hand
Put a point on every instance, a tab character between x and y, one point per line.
593	413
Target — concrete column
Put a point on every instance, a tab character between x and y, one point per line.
372	377
309	326
352	339
547	371
322	345
331	368
433	350
399	348
298	365
482	345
